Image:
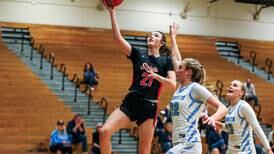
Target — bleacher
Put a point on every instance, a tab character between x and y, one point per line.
29	110
77	46
263	50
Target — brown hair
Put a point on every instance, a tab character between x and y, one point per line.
164	50
198	71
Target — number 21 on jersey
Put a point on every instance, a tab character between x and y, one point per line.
147	80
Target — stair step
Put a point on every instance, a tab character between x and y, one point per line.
80	107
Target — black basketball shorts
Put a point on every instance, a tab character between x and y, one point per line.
138	109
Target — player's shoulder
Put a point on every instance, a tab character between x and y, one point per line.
244	105
137	51
197	86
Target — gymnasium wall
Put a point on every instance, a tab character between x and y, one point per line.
223	18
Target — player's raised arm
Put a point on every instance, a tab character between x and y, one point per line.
123	44
176	55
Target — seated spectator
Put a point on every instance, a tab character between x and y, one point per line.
163	117
159	125
272	147
271	139
95	140
76	131
59	140
90	76
41	147
250	91
215	141
155	146
165	137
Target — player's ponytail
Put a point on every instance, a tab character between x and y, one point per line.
198	71
164	50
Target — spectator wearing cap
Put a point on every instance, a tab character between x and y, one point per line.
76	131
59	140
95	140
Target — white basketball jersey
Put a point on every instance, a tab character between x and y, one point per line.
240	132
185	112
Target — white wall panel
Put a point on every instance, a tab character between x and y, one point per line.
223	18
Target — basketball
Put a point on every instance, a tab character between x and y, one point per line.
112	3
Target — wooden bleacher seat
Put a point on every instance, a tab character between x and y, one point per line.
76	46
28	109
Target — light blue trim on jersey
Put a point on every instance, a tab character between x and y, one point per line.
194	112
246	145
245	142
242	120
190	94
181	89
176	98
191	126
245	128
245	139
191	131
191	135
238	111
187	148
193	100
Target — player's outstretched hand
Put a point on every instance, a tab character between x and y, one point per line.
110	9
173	29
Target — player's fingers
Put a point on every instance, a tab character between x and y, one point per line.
206	121
177	27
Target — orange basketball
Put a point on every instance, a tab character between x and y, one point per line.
112	3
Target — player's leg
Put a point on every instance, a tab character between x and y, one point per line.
146	131
116	121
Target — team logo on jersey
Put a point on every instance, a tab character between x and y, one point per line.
229	119
146	67
178	98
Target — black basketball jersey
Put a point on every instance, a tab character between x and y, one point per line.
142	84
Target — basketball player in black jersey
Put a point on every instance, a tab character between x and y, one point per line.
152	69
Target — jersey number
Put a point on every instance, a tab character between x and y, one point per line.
174	107
229	128
147	80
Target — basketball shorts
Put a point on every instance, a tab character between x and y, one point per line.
186	148
138	109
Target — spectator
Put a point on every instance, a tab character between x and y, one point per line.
76	130
155	146
250	91
271	139
95	140
59	141
215	141
165	137
41	147
159	125
90	76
